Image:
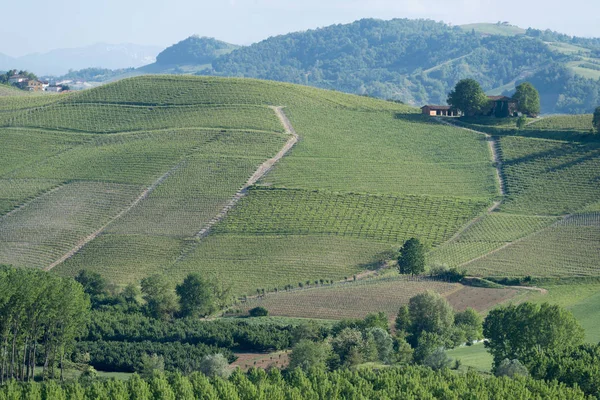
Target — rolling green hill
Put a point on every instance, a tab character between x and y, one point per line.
547	222
415	61
137	177
135	170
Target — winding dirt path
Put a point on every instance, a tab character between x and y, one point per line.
258	174
494	150
79	245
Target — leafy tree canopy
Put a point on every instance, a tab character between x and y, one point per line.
528	99
468	97
412	257
519	331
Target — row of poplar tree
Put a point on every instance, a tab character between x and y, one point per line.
41	315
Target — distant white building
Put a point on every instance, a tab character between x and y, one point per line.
54	88
17	79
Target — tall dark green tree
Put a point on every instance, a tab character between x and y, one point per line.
196	297
160	298
412	257
468	97
522	331
430	312
41	316
596	120
93	283
528	99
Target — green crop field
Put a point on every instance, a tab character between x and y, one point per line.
365	176
349	151
489	233
548	177
49	226
570	247
581	122
145	163
384	218
357	299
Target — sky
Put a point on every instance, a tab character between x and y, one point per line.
162	23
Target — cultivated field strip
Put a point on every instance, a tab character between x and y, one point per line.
357	299
185	90
384	153
382	218
265	261
46	228
109	118
81	243
581	122
199	190
549	177
487	234
569	247
17	193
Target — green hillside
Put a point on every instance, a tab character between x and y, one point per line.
167	153
125	179
547	223
415	61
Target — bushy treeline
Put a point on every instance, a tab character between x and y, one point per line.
396	383
388	59
575	366
41	316
232	334
114	356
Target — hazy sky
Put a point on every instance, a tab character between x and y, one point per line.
72	23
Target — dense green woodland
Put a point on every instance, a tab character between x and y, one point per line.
50	330
415	61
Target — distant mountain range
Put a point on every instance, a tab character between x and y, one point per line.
60	61
414	61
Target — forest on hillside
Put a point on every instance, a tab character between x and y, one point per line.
414	61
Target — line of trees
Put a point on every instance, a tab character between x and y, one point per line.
468	97
4	78
41	316
196	296
406	382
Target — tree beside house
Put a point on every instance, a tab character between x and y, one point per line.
468	99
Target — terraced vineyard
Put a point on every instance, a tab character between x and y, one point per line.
391	219
357	299
489	233
552	187
365	176
581	122
569	247
549	177
142	165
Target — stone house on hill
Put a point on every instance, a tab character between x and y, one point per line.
502	107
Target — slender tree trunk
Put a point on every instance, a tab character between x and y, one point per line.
33	360
23	366
13	354
62	370
52	364
46	359
3	361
